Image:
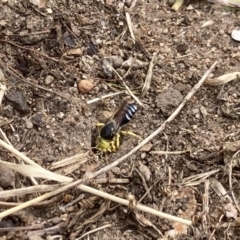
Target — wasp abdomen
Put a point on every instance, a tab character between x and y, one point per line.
129	112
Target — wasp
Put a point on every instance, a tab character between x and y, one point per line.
109	137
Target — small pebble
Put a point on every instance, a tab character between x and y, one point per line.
7	177
85	86
49	79
235	35
37	119
18	100
35	237
117	61
28	124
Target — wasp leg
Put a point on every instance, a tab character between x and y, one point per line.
100	124
130	133
117	140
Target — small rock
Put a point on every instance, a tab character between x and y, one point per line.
7	177
235	35
18	100
37	119
28	124
145	171
8	111
35	237
146	148
107	64
49	79
85	86
117	61
116	170
135	63
168	101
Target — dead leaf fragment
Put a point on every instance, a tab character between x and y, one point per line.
74	52
145	171
230	149
230	211
222	79
146	148
177	5
133	62
208	23
39	3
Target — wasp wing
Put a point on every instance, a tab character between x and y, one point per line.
121	117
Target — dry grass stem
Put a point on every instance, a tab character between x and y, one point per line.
105	96
205	200
94	230
223	79
218	188
97	193
69	165
169	153
24	228
128	89
68	161
177	4
34	171
129	23
198	178
230	183
34	181
133	3
18	154
148	78
3	88
28	190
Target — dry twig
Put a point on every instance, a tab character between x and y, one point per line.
105	96
128	89
129	23
148	78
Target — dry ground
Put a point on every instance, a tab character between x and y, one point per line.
55	122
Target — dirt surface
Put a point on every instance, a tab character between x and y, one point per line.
45	53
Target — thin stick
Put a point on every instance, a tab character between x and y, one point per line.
129	23
94	230
105	96
34	227
18	154
169	153
3	88
28	190
34	181
97	193
148	78
128	89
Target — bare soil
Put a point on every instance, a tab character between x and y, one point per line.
45	116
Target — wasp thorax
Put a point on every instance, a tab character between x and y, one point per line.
107	132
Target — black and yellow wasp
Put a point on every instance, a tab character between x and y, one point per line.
108	139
